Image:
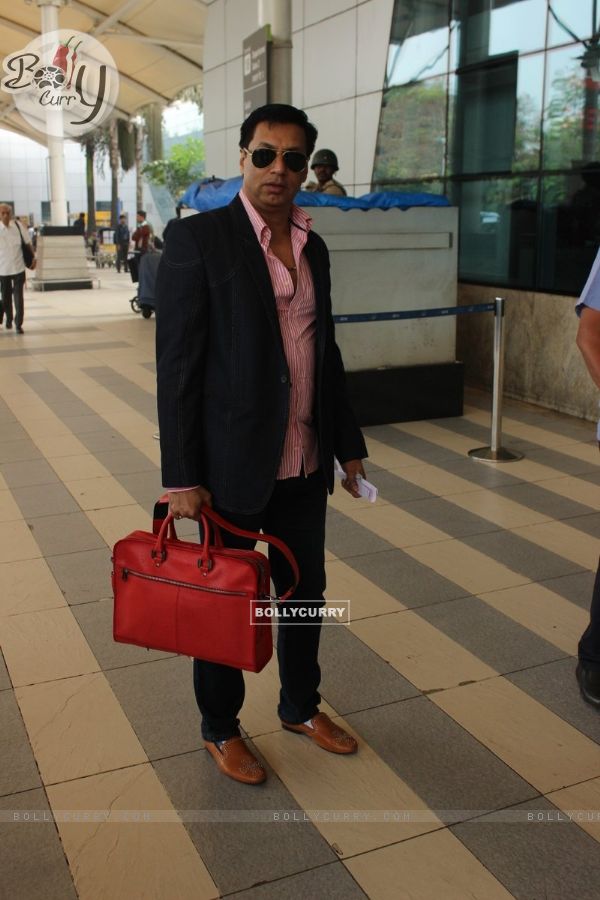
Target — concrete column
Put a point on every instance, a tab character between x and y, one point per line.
278	14
58	198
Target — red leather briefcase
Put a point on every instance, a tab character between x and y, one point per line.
199	599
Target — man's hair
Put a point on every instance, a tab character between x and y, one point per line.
122	216
282	114
141	212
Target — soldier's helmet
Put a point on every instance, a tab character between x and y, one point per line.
325	158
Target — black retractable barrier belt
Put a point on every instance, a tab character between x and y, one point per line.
413	313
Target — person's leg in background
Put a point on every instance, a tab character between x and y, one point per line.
7	305
2	293
18	293
588	668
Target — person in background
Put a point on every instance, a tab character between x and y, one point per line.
588	341
122	238
12	267
79	224
142	235
324	164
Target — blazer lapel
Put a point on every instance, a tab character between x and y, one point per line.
315	263
255	260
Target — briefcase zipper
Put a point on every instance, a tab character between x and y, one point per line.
194	587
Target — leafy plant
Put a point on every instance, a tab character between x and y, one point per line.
183	165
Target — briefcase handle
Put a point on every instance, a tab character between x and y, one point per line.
209	515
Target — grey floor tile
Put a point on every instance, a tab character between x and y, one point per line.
332	881
353	676
32	860
10	430
106	439
396	490
555	686
141	400
96	622
86	424
449	517
241	855
83	577
481	473
562	462
401	576
120	462
18	771
67	533
158	698
522	555
494	638
534	860
345	538
68	408
589	524
535	496
46	500
144	487
28	472
408	443
439	760
5	683
576	588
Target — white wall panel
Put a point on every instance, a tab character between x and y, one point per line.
214	35
298	69
297	14
241	20
368	109
232	152
374	25
214	99
214	148
235	92
335	123
330	60
316	10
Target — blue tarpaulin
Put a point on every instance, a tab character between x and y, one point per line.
209	194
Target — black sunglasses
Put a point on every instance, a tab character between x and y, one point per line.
264	156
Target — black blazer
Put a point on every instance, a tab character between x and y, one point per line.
223	379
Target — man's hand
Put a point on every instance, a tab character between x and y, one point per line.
186	504
352	468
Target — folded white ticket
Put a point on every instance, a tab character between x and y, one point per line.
366	489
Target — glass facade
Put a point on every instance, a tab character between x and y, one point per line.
495	104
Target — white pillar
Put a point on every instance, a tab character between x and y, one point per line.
278	14
58	197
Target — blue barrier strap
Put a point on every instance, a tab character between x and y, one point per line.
414	313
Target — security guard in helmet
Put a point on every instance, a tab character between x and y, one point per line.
324	164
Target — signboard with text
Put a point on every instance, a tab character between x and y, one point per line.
256	53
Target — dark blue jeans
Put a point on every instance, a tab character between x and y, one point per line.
589	644
295	513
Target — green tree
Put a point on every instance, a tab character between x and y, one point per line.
183	165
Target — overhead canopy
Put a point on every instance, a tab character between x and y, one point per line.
157	46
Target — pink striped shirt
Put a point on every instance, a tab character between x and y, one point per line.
297	322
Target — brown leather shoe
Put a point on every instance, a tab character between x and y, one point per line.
326	734
234	759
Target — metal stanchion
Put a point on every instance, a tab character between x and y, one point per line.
495	452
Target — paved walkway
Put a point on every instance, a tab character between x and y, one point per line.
469	585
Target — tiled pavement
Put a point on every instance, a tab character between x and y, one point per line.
469	584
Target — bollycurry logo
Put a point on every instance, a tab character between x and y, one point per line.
63	83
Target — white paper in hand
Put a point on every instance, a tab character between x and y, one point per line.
366	489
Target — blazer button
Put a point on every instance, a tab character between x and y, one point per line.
283	379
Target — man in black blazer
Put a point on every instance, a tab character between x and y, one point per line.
252	406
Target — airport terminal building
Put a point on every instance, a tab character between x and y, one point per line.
493	103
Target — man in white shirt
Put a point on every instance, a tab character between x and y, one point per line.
12	267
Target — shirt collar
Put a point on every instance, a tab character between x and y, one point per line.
262	231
